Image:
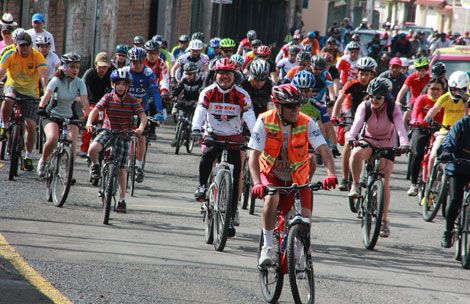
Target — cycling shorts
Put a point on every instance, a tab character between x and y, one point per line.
325	118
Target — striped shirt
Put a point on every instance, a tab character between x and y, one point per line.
119	113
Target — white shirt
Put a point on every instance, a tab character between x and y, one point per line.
32	32
51	61
284	65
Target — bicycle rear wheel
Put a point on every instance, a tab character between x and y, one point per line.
299	265
465	238
271	278
223	214
62	176
372	216
431	202
179	137
109	179
15	150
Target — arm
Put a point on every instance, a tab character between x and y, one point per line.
91	118
165	79
43	77
433	111
143	122
400	126
45	98
327	158
249	118
338	104
253	163
175	68
402	93
417	111
2	73
84	103
358	122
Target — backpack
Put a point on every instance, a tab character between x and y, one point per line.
390	108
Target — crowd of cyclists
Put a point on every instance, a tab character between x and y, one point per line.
295	107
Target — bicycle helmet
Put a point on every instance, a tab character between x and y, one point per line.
355	37
331	39
259	70
304	56
190	67
70	57
421	62
379	86
307	48
41	39
251	35
256	43
293	49
395	61
196	45
304	80
438	69
263	50
285	94
458	85
136	54
198	36
17	32
353	45
227	43
215	42
121	74
318	62
121	49
366	64
158	38
311	35
139	40
225	64
327	56
237	59
183	38
152	46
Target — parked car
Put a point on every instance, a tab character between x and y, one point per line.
366	36
456	58
416	28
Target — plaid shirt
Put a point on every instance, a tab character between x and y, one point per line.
119	113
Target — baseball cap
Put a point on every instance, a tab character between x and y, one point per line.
38	17
102	59
23	38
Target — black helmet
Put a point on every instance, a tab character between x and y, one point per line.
190	67
379	86
438	69
318	62
139	40
183	38
70	58
198	36
152	46
304	56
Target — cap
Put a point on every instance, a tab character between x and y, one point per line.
23	38
38	17
7	19
102	59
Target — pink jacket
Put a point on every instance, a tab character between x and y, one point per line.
379	131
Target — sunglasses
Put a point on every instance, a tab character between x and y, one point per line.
222	72
120	55
227	50
291	106
377	97
24	45
435	89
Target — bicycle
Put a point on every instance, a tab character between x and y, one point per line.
436	192
59	167
292	231
372	200
183	125
218	211
248	200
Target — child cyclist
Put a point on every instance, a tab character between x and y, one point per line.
119	107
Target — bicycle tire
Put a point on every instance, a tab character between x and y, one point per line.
245	189
179	137
252	204
41	137
301	278
372	216
131	169
65	162
443	194
108	192
421	186
3	149
223	215
207	217
431	202
189	142
15	150
48	176
465	237
271	275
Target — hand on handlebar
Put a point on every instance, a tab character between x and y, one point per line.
258	190
139	131
446	157
42	112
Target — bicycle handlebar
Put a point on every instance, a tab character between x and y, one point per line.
271	190
223	144
77	122
379	151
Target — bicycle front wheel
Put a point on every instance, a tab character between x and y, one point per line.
131	167
62	176
109	181
431	202
179	137
465	238
224	211
299	265
373	211
245	195
271	277
15	150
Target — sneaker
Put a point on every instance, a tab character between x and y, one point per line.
231	229
121	207
41	169
384	230
344	185
28	164
173	142
413	191
355	191
236	220
266	257
174	110
446	240
200	193
139	175
95	171
152	136
3	134
335	152
82	154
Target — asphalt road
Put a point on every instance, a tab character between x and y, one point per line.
156	252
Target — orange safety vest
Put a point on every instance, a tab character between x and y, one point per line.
297	146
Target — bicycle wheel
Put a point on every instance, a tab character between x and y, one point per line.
252	204
431	202
62	176
245	195
299	265
189	141
465	238
131	167
15	150
354	203
179	137
271	278
224	212
372	217
421	186
443	194
48	176
3	149
108	194
207	217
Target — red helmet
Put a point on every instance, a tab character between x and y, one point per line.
225	64
285	94
263	50
327	56
395	61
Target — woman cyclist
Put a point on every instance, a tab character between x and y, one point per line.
378	131
64	88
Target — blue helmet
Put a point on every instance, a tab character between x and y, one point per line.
136	53
311	35
304	80
121	74
215	42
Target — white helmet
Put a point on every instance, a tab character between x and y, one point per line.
458	85
196	45
17	32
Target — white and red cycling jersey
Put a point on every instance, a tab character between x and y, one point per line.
223	111
162	77
244	47
347	68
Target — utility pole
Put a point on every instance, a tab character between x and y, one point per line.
370	11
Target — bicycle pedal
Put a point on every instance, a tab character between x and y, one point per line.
100	193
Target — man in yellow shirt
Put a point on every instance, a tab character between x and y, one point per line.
24	67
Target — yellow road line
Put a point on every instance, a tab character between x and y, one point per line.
20	264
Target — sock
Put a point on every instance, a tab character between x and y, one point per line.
138	163
268	237
28	155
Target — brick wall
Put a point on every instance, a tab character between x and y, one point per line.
183	18
132	20
55	23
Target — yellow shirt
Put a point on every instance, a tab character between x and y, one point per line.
23	73
453	112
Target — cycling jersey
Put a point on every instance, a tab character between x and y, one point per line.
162	77
260	98
65	91
334	73
284	65
52	60
167	57
453	111
23	73
177	51
397	82
143	86
248	58
416	85
223	111
421	107
334	52
201	61
314	43
190	89
119	112
356	92
347	68
244	47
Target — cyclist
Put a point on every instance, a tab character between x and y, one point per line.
251	55
214	48
7	30
52	60
239	76
285	64
143	86
64	89
379	132
120	53
283	52
180	49
353	92
262	53
331	48
280	141
438	70
395	75
258	85
164	54
419	137
139	41
119	107
312	41
331	69
347	64
245	45
24	67
222	107
227	46
194	55
304	63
